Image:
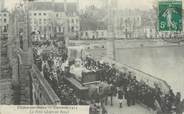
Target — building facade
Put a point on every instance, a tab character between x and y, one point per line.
129	24
92	32
40	23
4	21
51	19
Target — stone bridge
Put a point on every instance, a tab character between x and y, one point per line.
42	92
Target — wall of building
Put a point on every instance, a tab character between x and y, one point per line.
88	34
73	24
41	21
93	34
129	24
101	34
50	22
4	21
60	19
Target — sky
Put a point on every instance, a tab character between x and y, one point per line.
123	4
141	4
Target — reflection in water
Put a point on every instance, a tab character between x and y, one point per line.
166	63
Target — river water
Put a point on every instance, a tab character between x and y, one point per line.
166	63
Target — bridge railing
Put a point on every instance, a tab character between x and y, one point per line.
43	91
149	79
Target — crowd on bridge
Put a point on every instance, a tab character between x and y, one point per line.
126	86
51	64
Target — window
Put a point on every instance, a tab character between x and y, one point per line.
35	21
44	14
77	28
72	29
5	28
57	15
40	14
68	29
35	14
93	36
137	18
45	21
5	15
81	33
102	33
40	28
72	20
86	33
97	34
5	20
59	29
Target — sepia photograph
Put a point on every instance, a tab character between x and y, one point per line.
99	56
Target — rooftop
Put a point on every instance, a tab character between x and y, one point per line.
56	6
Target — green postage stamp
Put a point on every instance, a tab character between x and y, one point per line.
170	15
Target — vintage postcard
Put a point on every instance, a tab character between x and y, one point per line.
91	57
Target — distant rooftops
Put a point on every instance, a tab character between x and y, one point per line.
56	6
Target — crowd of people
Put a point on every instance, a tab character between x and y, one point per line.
51	65
134	91
125	85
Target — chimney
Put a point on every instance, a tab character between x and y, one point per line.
65	5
